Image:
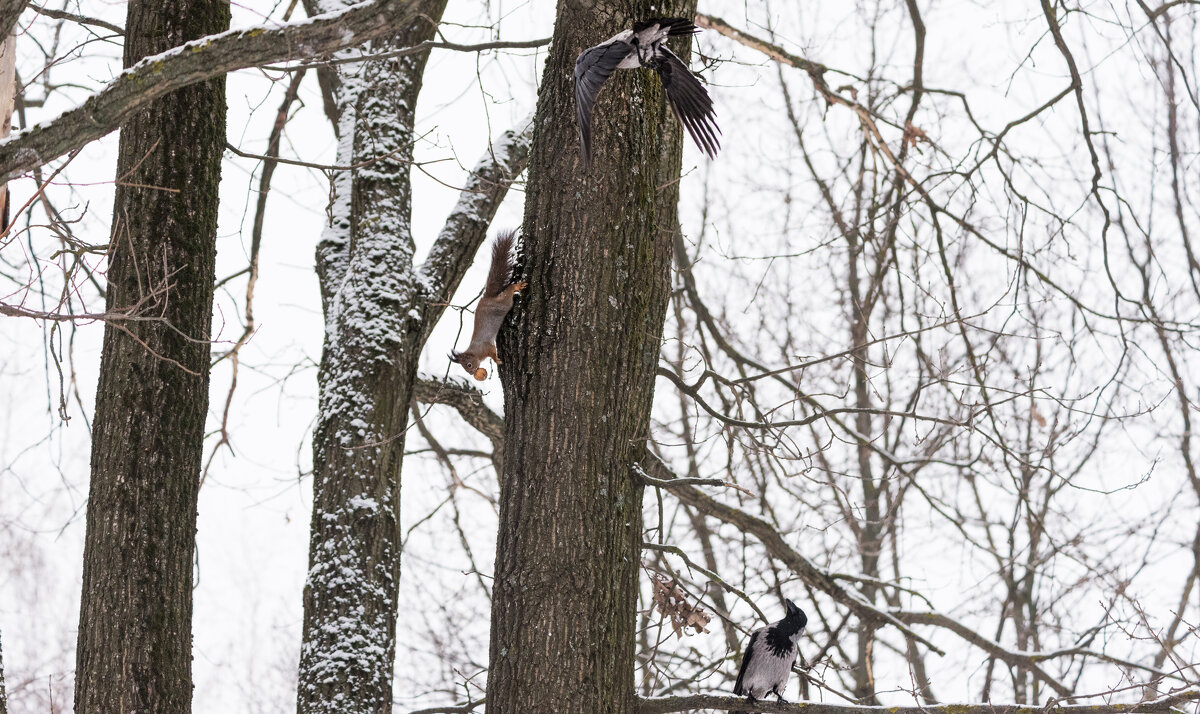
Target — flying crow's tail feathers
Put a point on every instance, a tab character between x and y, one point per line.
691	104
673	25
500	274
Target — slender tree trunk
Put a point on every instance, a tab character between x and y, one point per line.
135	641
871	538
10	12
3	693
8	98
579	366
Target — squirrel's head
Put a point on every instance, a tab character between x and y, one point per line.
470	363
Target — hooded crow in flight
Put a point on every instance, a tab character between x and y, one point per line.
770	655
646	46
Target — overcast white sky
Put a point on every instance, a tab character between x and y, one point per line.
254	505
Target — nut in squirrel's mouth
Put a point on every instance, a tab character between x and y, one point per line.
481	374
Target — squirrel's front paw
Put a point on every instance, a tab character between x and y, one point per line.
520	286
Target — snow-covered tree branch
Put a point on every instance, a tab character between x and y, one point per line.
194	62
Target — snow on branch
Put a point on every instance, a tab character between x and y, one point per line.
666	705
467	225
194	62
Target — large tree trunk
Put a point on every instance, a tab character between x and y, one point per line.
135	620
369	362
579	366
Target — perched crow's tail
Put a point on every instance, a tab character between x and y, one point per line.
500	274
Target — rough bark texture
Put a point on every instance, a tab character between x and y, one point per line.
579	366
3	693
373	339
8	99
10	12
134	652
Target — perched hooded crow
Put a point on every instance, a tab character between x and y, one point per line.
646	46
770	655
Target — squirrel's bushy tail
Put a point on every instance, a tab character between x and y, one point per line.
500	274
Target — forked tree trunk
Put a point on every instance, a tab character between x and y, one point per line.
380	309
579	367
135	621
367	369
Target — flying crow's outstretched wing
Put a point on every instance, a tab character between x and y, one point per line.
594	66
737	687
691	103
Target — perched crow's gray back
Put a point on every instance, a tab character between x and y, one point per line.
770	655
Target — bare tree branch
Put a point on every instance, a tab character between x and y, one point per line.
81	19
694	393
468	402
423	47
774	543
775	52
666	705
990	646
256	234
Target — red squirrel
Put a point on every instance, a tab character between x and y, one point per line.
497	300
